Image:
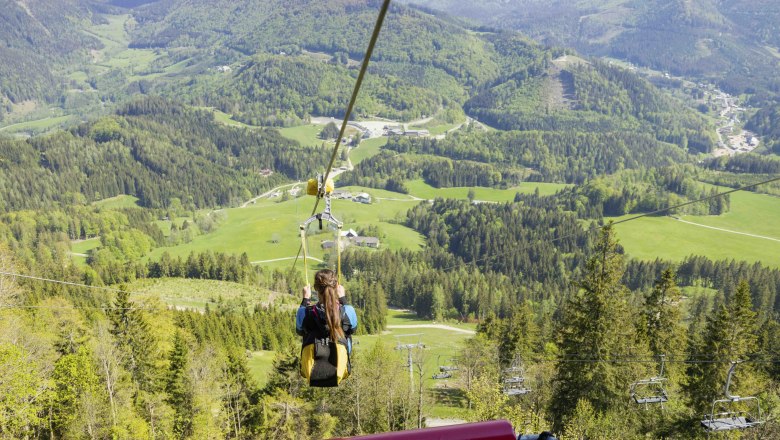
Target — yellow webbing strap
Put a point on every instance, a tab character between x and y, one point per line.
338	253
305	263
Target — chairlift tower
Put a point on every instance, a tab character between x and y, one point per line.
409	348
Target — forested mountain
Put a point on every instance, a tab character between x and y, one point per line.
154	150
727	41
248	27
39	37
594	97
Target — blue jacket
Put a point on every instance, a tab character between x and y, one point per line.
310	322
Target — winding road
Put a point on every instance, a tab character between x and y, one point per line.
438	326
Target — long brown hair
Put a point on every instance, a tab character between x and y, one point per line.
326	283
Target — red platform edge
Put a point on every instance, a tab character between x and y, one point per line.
492	430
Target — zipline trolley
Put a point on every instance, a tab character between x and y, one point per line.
651	391
321	189
733	412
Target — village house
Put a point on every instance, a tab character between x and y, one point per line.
371	242
362	198
417	133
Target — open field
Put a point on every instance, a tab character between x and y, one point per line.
367	148
196	294
254	229
80	249
306	135
419	188
668	238
84	246
261	363
440	347
750	212
38	125
435	129
224	118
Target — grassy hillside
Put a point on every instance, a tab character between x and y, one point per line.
197	294
418	188
252	229
668	238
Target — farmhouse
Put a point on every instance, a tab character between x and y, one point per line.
362	198
417	133
339	194
350	233
371	242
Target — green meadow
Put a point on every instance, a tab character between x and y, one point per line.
306	135
669	238
261	364
197	294
367	148
224	118
268	229
39	125
81	248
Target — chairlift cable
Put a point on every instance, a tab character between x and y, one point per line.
80	285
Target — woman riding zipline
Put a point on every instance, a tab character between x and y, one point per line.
327	329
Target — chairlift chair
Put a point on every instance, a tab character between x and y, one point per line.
733	412
651	391
446	368
514	386
443	375
514	380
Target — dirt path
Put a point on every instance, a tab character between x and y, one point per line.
438	326
728	230
268	193
282	259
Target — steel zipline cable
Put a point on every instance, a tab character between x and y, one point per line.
353	99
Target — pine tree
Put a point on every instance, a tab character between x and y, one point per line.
663	318
135	340
596	324
730	335
179	388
